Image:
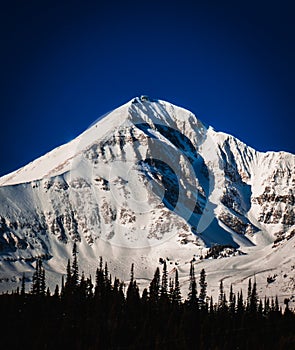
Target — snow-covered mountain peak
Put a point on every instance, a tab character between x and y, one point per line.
151	178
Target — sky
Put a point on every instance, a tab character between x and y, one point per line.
65	63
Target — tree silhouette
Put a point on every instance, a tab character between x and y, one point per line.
192	296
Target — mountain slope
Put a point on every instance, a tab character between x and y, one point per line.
148	180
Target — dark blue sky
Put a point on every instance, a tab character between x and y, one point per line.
63	64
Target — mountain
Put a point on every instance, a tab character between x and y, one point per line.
150	181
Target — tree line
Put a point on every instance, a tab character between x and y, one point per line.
101	314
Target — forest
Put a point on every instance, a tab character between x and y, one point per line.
107	314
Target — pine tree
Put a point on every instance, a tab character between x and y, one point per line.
39	284
266	306
82	287
192	296
155	287
99	283
89	288
176	299
171	289
75	269
42	281
211	307
164	285
132	273
240	304
221	295
232	300
145	296
249	294
132	296
253	299
203	288
36	280
62	291
56	292
100	263
68	284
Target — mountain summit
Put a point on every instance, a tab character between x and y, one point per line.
147	181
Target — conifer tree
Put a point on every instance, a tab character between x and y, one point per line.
221	295
203	287
266	306
164	285
82	287
99	283
249	294
176	292
171	289
211	307
132	273
232	300
42	281
240	304
253	298
62	290
36	280
56	292
89	287
100	263
132	289
39	284
75	269
192	296
155	287
145	296
68	284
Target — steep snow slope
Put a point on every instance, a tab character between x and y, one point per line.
149	180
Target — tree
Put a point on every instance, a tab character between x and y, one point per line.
89	287
75	269
69	276
164	285
253	298
192	295
203	288
132	296
240	304
56	292
232	300
249	295
62	288
145	296
176	298
266	306
39	284
42	281
155	287
99	283
132	273
222	302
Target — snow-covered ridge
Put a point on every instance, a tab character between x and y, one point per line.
150	177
